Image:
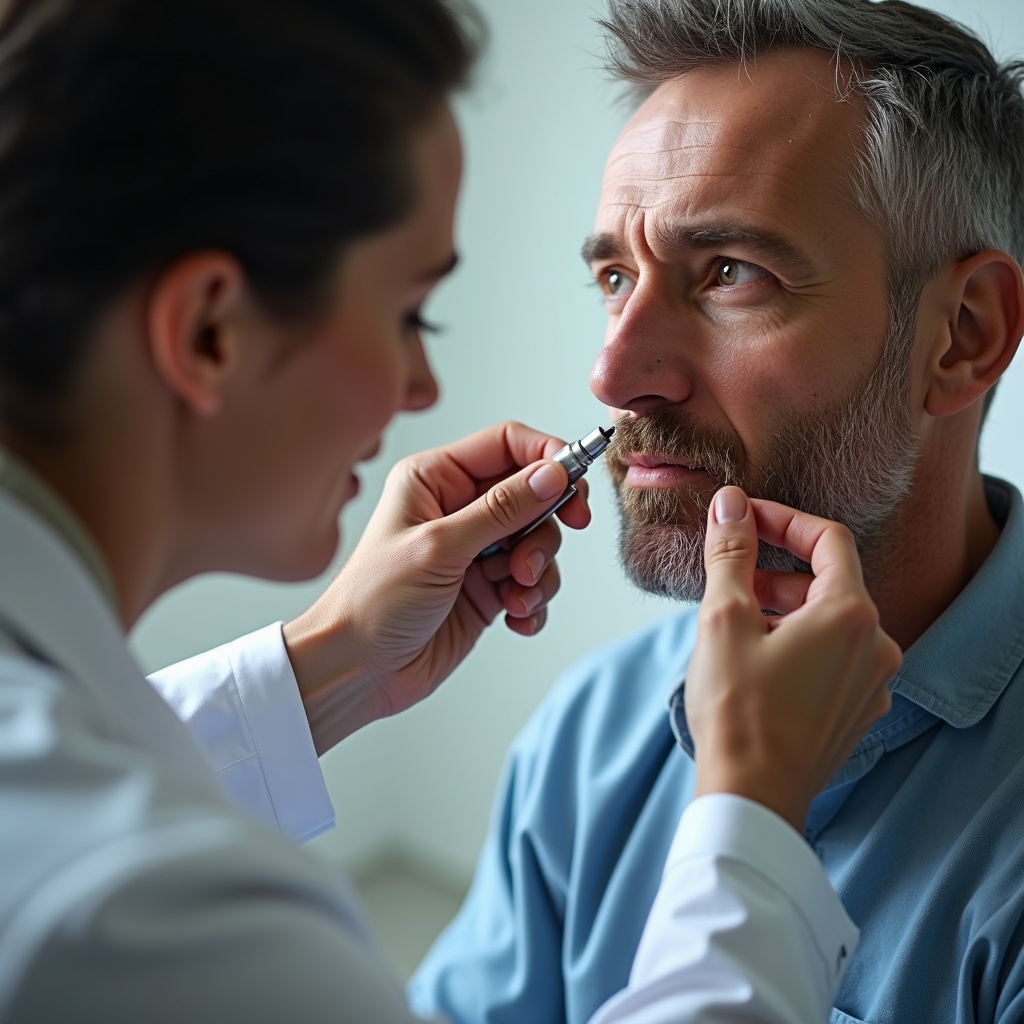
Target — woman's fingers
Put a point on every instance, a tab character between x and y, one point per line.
530	626
534	553
730	557
528	559
828	547
522	602
496	451
781	592
507	507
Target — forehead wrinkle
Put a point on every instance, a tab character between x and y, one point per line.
667	137
724	160
702	206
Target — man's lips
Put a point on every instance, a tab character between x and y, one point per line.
645	461
645	470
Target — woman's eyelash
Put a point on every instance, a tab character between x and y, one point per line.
416	322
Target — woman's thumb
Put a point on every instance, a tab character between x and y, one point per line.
730	548
509	506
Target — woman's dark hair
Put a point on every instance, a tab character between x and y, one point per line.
135	131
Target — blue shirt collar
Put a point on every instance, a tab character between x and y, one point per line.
962	663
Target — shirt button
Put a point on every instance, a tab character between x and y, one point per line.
841	957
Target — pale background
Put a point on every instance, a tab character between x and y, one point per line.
522	328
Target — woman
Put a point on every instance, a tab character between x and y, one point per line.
219	223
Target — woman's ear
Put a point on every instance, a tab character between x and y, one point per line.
984	303
192	327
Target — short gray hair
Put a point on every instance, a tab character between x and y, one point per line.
942	170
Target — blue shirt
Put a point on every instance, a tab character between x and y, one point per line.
921	832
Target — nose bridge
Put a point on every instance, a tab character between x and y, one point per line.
645	360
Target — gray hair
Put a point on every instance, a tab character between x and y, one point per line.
942	170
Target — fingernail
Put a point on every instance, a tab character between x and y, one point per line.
546	482
530	599
535	563
730	505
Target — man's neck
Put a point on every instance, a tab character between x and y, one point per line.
929	555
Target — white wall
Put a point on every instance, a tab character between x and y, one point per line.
524	328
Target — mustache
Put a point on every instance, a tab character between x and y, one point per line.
678	437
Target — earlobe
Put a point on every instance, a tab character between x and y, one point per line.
190	328
981	332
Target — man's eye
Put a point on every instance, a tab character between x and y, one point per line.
616	284
733	272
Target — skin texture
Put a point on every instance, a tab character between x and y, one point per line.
744	289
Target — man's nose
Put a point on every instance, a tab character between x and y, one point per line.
644	363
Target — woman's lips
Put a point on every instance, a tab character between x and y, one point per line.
659	471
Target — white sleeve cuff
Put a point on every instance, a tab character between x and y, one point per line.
732	827
744	927
242	704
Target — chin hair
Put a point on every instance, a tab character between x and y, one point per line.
663	560
668	560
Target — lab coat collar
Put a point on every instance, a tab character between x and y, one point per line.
54	609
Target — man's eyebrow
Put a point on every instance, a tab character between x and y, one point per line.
679	240
601	246
441	270
775	248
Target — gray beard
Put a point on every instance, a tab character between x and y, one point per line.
852	462
669	560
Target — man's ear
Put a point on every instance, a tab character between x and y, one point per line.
984	303
192	333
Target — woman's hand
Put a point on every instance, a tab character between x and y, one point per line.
775	704
411	601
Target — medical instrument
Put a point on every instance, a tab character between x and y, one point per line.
576	457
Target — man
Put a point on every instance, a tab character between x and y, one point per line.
808	239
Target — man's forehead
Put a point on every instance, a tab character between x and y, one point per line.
779	131
779	85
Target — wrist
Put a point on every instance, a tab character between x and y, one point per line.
785	797
338	694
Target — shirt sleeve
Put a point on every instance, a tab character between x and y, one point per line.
242	704
745	926
499	959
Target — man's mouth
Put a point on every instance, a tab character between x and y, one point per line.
644	469
653	461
